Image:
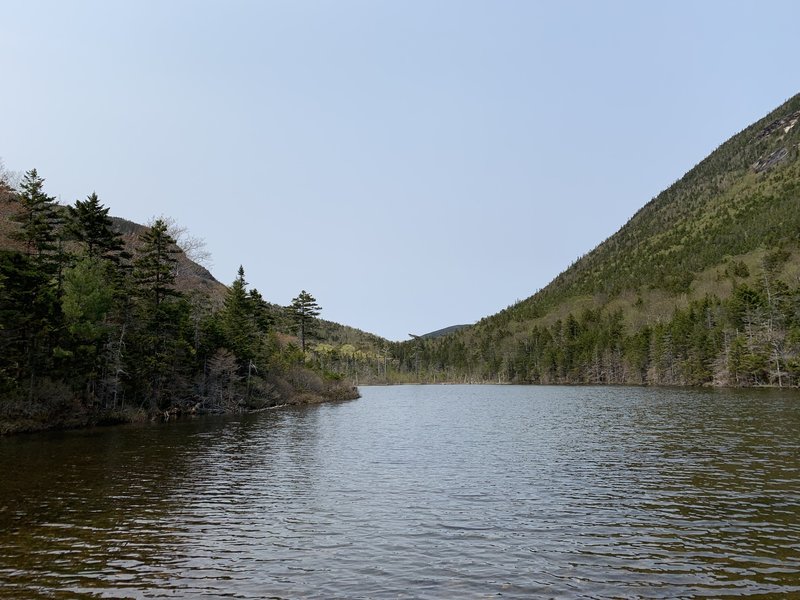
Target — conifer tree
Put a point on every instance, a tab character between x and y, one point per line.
237	321
86	303
26	314
90	224
34	280
37	217
260	310
158	321
153	268
303	310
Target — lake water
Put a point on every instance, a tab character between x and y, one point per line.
418	492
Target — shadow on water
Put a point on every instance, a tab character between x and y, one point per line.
86	512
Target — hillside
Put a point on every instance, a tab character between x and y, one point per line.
190	276
727	230
106	320
194	278
441	332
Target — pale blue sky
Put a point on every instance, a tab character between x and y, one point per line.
413	164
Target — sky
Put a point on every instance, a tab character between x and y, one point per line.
413	164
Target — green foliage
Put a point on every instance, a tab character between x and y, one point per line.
154	267
303	310
37	217
774	260
236	318
87	299
741	341
28	318
90	225
87	334
700	287
696	289
244	322
740	269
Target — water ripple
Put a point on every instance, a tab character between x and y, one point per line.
418	492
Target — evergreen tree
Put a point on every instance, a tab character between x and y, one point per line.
303	310
86	303
236	319
37	217
33	283
26	314
261	313
90	224
158	321
88	297
154	267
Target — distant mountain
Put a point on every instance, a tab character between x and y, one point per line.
720	244
441	332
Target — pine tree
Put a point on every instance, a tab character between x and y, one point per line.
154	267
86	303
158	321
26	314
37	217
303	310
90	224
33	281
261	313
237	321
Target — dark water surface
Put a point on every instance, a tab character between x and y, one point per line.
418	492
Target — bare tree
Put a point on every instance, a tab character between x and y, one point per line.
9	180
192	246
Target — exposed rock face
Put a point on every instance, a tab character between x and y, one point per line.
781	127
765	163
785	123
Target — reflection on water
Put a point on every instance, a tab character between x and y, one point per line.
418	492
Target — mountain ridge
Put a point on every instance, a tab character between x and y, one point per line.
725	217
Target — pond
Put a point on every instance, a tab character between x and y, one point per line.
418	492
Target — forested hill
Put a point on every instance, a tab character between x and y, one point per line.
190	275
700	286
106	320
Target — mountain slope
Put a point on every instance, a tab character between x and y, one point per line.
742	197
192	277
731	221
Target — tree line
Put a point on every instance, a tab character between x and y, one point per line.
750	338
92	330
699	287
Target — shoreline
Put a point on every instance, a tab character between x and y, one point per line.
130	416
